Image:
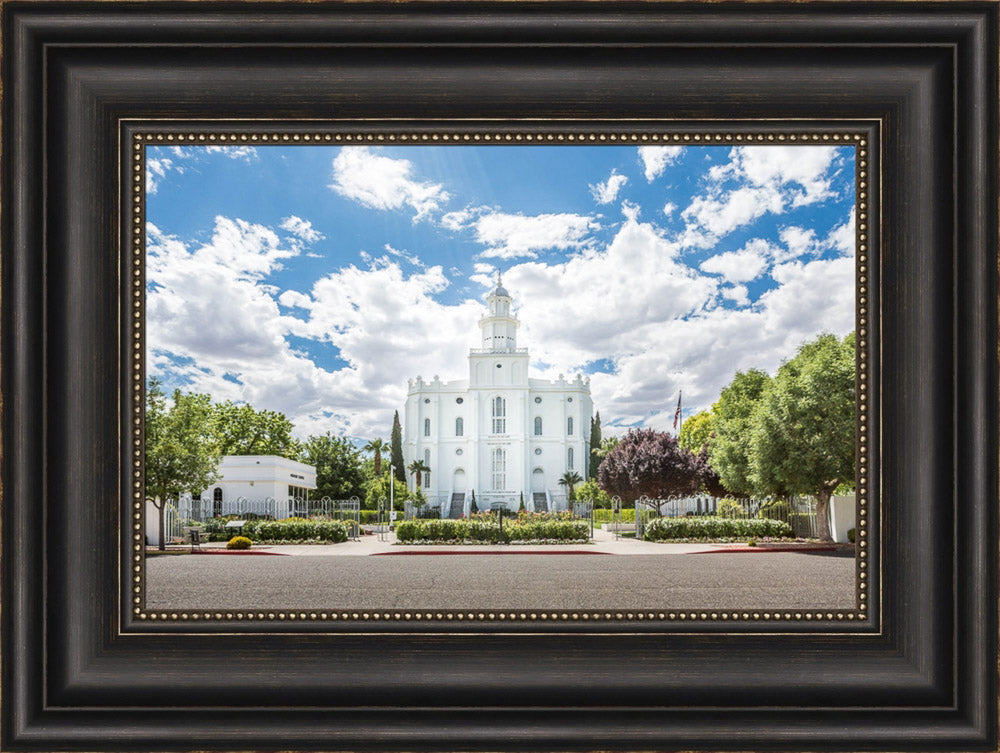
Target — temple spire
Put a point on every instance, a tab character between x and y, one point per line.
500	325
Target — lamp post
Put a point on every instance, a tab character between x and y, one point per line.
392	489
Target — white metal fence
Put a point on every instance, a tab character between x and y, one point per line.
798	512
270	508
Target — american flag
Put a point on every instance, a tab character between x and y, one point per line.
677	413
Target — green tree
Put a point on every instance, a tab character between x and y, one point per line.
570	479
590	490
377	447
595	444
338	466
607	445
182	451
802	434
396	448
732	415
242	430
696	432
378	488
418	468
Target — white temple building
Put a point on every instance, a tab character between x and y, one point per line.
498	433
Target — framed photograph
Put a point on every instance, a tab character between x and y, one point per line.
496	235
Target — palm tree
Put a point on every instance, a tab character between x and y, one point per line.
570	479
417	467
378	447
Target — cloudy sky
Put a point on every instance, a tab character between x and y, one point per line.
316	280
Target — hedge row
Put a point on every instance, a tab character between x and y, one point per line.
664	529
488	531
608	516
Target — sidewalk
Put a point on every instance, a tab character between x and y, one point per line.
604	542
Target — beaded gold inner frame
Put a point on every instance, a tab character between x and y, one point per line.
863	136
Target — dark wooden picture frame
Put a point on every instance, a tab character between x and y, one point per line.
80	673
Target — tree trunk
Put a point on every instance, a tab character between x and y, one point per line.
822	513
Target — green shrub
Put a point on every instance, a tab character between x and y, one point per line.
730	508
608	516
850	535
296	529
239	542
487	530
779	509
410	530
664	529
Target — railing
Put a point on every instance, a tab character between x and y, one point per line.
275	509
798	512
480	351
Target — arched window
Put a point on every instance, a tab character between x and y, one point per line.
569	426
499	416
569	459
538	426
217	502
499	469
427	474
459	427
427	427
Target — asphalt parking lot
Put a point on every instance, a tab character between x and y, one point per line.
764	580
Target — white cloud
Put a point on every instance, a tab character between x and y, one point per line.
604	303
244	153
798	241
210	302
301	228
716	215
509	236
669	208
655	159
737	266
606	192
156	169
380	182
842	237
737	294
402	254
212	318
769	179
294	299
460	219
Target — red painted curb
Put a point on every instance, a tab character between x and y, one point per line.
242	552
437	552
818	548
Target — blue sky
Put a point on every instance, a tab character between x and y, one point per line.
315	280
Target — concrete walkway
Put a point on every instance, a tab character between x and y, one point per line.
604	542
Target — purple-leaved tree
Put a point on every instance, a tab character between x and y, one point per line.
651	464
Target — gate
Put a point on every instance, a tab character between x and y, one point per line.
645	511
585	511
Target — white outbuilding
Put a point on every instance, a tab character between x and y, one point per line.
499	433
260	484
